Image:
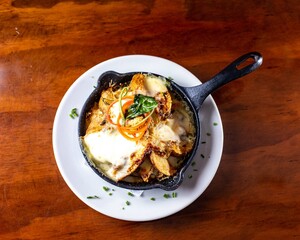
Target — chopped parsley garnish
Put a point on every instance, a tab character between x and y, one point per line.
106	189
193	163
127	203
190	176
152	199
208	134
110	194
73	113
130	194
167	196
203	142
215	124
93	197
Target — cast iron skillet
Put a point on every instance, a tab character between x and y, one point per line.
193	96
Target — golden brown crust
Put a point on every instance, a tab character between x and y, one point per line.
137	83
164	107
160	161
95	120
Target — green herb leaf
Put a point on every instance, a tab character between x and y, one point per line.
152	199
106	189
127	203
141	104
174	194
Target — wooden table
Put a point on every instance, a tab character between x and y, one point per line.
47	45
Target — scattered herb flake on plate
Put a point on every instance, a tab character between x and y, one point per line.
130	194
166	195
73	113
93	197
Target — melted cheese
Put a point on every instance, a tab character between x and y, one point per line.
154	85
169	131
109	146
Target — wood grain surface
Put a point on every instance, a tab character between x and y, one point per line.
46	45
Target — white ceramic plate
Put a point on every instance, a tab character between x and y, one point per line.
116	202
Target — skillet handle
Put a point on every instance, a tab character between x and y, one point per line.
229	73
